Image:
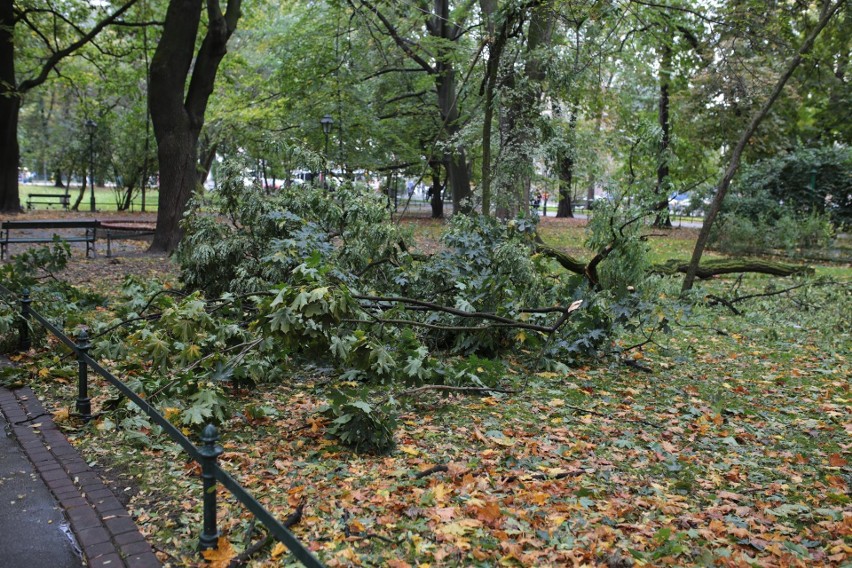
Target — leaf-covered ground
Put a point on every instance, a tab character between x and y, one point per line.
726	443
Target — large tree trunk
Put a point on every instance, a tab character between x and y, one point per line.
177	120
566	168
519	122
10	102
10	201
437	187
455	160
827	11
661	190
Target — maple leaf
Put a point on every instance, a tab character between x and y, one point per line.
278	550
220	556
490	514
441	491
835	460
61	415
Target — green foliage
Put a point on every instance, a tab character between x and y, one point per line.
616	231
268	236
171	350
789	232
29	268
800	183
35	270
359	424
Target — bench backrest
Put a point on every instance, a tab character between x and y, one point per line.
56	224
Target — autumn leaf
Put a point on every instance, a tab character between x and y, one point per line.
410	450
835	460
490	514
220	556
278	550
61	415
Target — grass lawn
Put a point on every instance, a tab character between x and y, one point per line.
726	442
105	198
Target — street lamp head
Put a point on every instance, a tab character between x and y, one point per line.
326	123
91	125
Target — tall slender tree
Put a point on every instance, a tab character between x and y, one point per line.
828	9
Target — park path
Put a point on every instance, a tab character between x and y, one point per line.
56	511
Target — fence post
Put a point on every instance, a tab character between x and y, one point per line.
209	452
24	342
84	404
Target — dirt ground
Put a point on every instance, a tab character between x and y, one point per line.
128	256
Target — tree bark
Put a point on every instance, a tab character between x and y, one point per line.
437	187
717	267
523	111
178	120
565	208
10	201
826	13
496	43
455	160
661	190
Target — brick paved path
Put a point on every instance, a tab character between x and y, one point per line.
104	531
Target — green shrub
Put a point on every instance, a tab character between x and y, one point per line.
359	424
801	182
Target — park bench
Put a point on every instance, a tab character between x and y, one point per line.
125	229
48	198
6	228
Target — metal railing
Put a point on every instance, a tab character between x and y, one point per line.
206	455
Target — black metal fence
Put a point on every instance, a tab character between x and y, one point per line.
206	455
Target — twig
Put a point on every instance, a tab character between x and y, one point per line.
460	313
244	557
719	300
430	471
767	294
543	477
602	415
416	390
370	535
638	366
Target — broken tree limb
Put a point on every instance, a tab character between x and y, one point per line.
707	269
715	267
451	388
565	260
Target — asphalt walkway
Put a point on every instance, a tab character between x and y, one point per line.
56	512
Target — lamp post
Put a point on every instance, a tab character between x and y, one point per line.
326	123
91	126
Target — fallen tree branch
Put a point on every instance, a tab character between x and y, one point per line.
602	415
424	388
430	471
716	267
564	260
507	322
292	519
